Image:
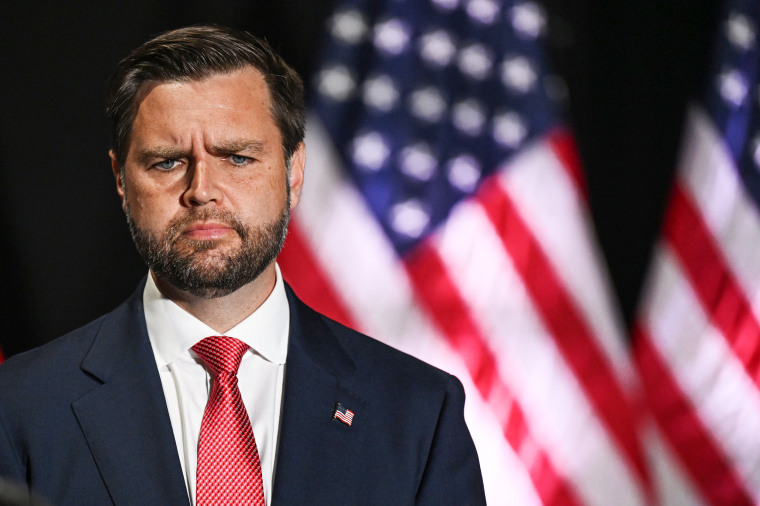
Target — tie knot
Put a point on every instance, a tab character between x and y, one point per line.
221	353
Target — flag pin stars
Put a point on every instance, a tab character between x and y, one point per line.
344	415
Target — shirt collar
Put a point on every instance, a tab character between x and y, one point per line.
173	331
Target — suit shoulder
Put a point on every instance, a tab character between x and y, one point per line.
65	353
382	360
51	358
368	354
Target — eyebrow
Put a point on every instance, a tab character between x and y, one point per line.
238	145
168	152
226	147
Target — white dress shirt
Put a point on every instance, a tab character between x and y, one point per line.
173	331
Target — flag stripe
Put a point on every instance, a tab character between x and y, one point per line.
712	280
694	444
562	317
304	273
542	187
529	361
725	398
444	302
709	176
563	144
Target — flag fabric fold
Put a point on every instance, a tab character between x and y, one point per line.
697	336
444	213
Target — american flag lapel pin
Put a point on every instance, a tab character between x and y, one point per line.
344	415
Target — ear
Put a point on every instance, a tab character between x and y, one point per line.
117	175
297	167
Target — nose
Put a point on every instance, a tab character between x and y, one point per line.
203	187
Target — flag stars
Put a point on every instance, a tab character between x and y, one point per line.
740	31
469	116
427	104
392	36
518	74
434	102
409	218
370	151
437	48
733	87
464	173
336	82
475	61
381	93
528	20
483	11
418	162
349	26
509	129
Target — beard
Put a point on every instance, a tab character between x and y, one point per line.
204	268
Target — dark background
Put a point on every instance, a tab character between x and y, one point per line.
630	68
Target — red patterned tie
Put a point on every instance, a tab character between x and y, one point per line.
229	471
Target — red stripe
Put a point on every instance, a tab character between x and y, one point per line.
571	334
303	272
715	285
450	312
709	469
564	147
551	487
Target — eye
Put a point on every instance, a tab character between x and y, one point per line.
239	159
166	164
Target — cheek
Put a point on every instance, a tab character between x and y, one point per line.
262	196
150	209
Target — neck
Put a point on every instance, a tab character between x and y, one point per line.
223	313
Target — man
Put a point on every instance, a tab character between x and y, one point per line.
142	406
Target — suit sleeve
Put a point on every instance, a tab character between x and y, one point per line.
452	472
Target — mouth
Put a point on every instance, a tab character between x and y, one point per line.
207	231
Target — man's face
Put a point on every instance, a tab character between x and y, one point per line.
205	186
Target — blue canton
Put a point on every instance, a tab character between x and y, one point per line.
424	99
733	96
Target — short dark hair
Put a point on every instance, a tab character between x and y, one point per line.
196	53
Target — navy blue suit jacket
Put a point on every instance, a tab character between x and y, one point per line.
83	420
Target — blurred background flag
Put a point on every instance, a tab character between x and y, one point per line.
698	332
444	213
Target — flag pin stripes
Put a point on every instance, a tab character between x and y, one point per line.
344	415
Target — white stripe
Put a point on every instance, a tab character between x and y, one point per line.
672	487
556	214
351	246
711	178
506	479
360	262
555	405
705	367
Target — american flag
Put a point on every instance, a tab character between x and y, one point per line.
444	213
698	333
344	415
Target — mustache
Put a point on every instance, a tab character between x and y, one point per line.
180	222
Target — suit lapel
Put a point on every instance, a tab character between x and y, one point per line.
125	419
314	448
